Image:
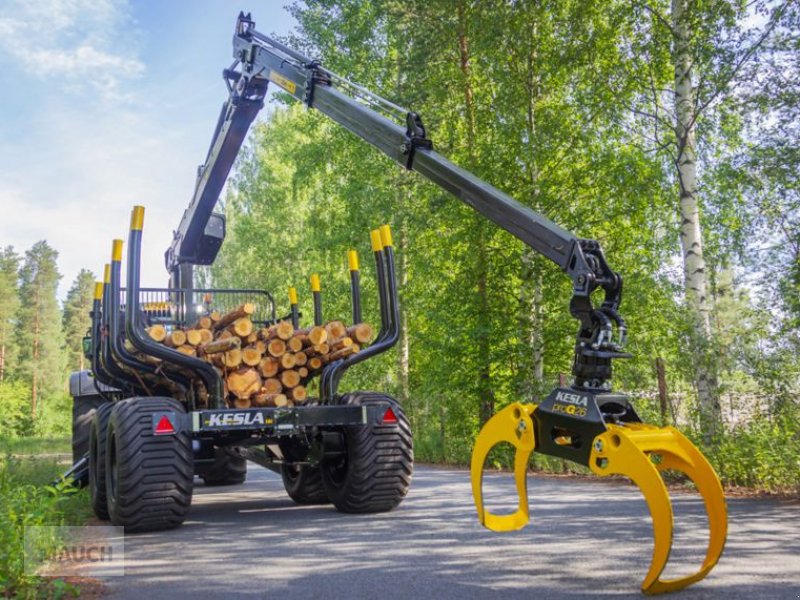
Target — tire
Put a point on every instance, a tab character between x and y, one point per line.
304	484
97	460
83	409
150	477
228	469
375	472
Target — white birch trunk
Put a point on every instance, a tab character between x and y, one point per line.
694	266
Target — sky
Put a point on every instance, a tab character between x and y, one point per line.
107	104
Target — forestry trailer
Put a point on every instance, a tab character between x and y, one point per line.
159	408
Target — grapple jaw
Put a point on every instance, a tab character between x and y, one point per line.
624	447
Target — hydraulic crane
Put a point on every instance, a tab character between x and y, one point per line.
585	422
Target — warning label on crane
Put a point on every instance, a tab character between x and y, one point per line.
282	81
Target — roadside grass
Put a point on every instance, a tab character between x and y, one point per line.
36	445
28	498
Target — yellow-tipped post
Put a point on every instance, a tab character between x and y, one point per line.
116	251
355	285
137	218
316	292
98	290
107	274
293	307
352	260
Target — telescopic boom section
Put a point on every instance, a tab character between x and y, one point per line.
260	59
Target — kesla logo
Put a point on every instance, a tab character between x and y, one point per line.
235	419
575	399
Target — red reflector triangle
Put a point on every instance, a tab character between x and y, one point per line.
164	426
389	416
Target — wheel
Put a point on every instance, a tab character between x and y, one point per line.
83	409
304	484
375	472
97	460
228	469
149	482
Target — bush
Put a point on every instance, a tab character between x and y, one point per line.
27	499
15	406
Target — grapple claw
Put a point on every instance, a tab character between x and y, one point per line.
627	450
513	424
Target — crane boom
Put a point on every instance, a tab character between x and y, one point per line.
259	59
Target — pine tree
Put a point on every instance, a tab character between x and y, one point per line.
39	334
9	304
77	319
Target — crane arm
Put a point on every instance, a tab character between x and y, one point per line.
260	59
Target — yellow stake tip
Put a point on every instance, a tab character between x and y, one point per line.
98	290
292	295
315	283
386	236
137	218
375	238
107	273
116	251
352	260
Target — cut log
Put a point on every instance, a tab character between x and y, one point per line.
251	356
278	400
221	345
244	382
205	336
276	347
290	378
232	358
298	394
268	366
225	334
157	332
335	329
252	338
287	360
312	336
261	347
215	317
272	386
203	323
175	338
294	344
242	327
300	359
244	311
193	337
318	350
341	343
187	350
361	333
343	353
315	363
303	372
284	330
242	402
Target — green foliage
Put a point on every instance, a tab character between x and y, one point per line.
27	499
15	407
9	304
39	334
76	319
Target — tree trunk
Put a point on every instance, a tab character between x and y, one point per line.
483	324
694	266
403	355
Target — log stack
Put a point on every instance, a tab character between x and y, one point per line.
269	366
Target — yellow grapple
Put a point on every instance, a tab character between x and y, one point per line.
601	431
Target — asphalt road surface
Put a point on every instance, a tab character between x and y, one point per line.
587	538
